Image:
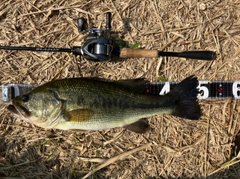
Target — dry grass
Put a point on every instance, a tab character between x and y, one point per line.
174	148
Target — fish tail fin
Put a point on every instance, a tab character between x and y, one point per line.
186	103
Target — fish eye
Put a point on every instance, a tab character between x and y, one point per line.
25	98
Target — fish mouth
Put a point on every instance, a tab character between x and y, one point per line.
19	110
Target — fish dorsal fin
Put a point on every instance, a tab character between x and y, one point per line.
78	115
137	85
140	126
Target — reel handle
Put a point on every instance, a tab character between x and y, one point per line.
108	21
81	24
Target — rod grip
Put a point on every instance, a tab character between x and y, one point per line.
201	55
138	53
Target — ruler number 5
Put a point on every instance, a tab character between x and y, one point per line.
204	92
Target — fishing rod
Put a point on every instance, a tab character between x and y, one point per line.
207	90
98	47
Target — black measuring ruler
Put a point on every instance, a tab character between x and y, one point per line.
212	90
207	89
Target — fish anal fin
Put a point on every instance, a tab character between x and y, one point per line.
140	126
78	130
78	115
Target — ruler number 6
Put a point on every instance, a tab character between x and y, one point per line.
236	89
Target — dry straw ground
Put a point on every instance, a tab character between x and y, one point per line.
173	148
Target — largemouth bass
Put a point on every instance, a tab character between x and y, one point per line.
96	104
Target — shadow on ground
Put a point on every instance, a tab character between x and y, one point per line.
29	161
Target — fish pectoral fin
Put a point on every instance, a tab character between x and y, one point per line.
78	115
140	126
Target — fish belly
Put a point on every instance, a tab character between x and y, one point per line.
102	120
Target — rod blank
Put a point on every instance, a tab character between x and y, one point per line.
39	49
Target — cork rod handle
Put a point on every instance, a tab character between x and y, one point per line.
138	53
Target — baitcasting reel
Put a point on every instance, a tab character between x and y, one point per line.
95	47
